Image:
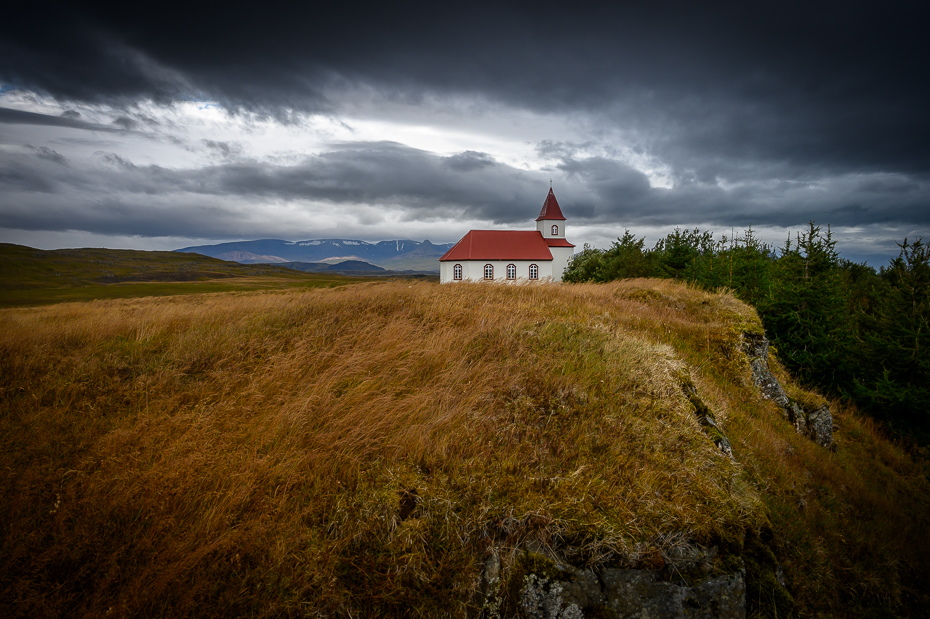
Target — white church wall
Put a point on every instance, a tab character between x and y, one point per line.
560	259
473	270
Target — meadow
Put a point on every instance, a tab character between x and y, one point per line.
361	451
36	277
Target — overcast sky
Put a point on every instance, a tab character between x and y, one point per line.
172	126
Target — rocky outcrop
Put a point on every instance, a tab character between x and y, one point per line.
810	419
639	593
686	588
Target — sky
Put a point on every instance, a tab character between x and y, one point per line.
174	125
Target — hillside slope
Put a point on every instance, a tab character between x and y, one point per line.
31	276
364	451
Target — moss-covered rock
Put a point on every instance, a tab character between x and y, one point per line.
808	411
706	417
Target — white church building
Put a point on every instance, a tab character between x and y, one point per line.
504	255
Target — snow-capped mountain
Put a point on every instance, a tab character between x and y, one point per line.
396	255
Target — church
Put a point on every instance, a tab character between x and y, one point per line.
512	256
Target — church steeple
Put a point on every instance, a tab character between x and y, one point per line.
550	209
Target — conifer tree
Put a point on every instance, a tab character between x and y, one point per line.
626	258
751	269
806	313
676	252
895	383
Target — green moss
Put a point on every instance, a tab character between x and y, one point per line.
704	415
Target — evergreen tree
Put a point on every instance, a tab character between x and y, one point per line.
751	273
676	253
626	258
896	340
806	314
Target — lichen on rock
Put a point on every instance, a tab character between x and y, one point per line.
689	586
541	598
809	414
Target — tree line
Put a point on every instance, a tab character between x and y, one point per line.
851	330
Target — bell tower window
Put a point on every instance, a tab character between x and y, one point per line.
555	231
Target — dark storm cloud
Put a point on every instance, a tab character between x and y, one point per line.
223	149
421	184
619	193
44	152
20	117
829	85
117	196
763	113
468	161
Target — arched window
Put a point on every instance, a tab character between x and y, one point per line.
512	270
555	231
489	271
534	271
457	272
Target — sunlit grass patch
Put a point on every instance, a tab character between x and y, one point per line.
364	449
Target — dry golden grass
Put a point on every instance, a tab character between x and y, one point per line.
361	450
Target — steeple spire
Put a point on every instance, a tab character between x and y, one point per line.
550	208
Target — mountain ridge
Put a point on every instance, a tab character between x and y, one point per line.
398	254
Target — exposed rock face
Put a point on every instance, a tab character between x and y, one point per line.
542	598
814	422
757	347
820	426
640	593
684	589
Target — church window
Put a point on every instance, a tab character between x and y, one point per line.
534	271
512	271
555	231
489	271
457	272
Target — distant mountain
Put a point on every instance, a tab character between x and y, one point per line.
348	265
395	255
246	257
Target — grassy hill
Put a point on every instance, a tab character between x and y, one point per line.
35	277
362	450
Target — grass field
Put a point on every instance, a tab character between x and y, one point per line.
34	277
361	450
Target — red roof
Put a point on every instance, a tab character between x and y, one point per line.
550	209
552	242
500	245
